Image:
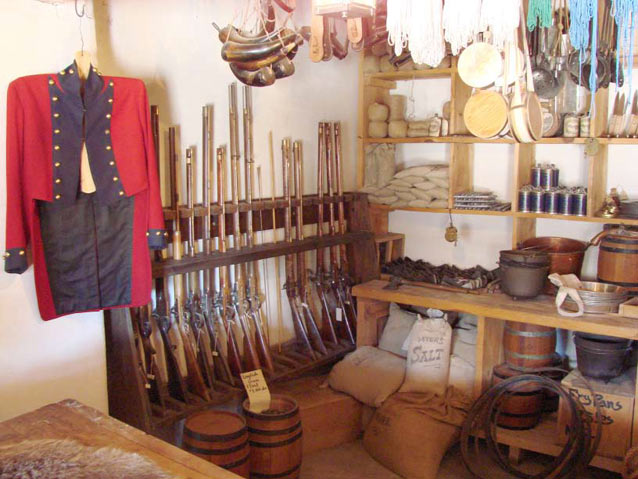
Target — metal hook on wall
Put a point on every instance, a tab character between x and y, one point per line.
80	16
83	12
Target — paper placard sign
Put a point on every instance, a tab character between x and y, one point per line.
257	390
339	315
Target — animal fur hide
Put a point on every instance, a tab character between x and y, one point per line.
67	459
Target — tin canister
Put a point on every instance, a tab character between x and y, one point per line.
550	199
579	205
547	178
524	201
536	175
555	175
571	126
565	202
536	202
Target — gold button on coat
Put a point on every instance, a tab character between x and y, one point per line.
57	164
121	193
115	178
56	147
58	196
58	181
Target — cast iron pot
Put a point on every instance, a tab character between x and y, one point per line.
523	273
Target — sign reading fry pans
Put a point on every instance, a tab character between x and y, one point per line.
480	65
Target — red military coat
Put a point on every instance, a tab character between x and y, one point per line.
90	251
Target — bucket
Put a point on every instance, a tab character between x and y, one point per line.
520	409
618	258
529	346
598	298
275	439
601	357
522	273
220	437
565	255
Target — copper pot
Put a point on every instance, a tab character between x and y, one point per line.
565	255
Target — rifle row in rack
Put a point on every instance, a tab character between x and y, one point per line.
205	327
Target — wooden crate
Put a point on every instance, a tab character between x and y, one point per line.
629	309
616	398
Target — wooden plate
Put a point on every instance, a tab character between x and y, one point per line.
480	64
485	114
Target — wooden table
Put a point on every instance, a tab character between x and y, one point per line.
70	419
492	311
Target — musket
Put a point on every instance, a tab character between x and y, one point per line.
251	359
280	325
344	278
145	353
220	367
194	377
291	281
221	298
334	250
252	280
302	279
193	308
264	265
327	324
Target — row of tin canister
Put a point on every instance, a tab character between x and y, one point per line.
553	201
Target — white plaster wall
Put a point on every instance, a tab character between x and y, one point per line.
481	237
173	47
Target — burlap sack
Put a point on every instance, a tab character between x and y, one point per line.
440	182
412	179
378	112
396	330
422	195
439	193
439	204
368	374
428	356
411	432
406	195
414	171
419	203
377	129
400	182
418	132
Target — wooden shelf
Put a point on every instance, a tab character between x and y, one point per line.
413	74
540	311
585	219
467	139
442	210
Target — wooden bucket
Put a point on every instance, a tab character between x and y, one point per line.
275	439
618	260
522	408
220	437
528	346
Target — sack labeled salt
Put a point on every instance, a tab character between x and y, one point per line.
428	364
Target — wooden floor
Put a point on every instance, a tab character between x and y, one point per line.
350	461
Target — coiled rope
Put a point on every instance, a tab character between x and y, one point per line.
539	14
584	13
501	18
482	419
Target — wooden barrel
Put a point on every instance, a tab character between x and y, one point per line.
520	409
528	346
275	439
220	437
618	260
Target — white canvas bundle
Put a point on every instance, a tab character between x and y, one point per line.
419	24
501	18
461	22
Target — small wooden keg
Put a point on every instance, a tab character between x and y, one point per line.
275	439
618	259
529	346
220	437
521	409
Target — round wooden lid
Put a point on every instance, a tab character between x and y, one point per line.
485	114
480	64
214	423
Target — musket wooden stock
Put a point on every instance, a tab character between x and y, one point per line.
302	273
280	325
291	281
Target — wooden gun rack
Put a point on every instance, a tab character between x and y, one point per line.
128	398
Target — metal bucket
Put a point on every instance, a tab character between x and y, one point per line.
523	273
565	255
601	356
